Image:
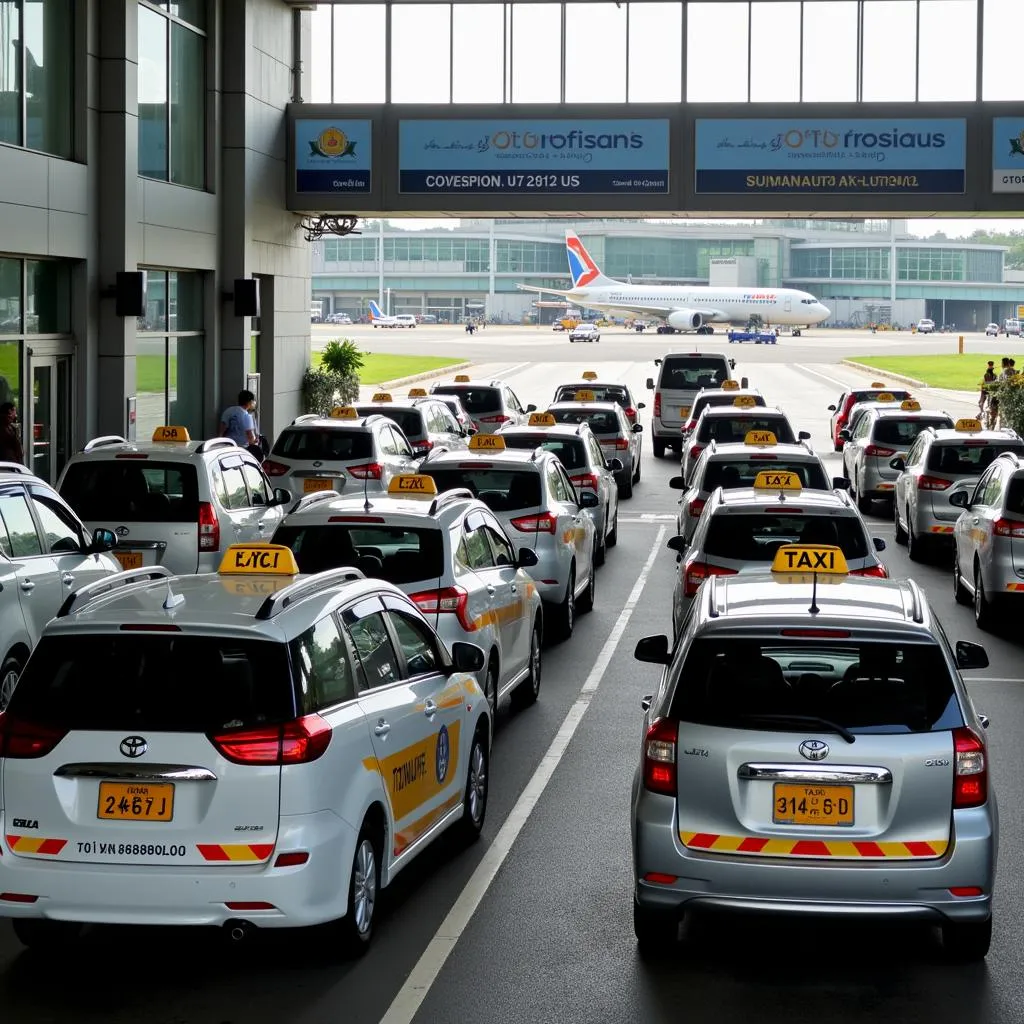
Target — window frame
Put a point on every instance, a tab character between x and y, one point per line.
19	491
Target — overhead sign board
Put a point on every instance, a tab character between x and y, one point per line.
1008	154
333	157
525	156
841	157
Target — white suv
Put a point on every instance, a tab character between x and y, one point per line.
925	326
405	320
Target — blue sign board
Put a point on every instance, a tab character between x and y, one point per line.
1008	154
523	157
333	157
830	157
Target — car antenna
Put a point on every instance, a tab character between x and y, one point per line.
814	609
366	497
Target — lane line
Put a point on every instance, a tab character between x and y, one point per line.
991	679
411	995
823	376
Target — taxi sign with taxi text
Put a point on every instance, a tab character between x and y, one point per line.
760	438
810	558
462	378
730	385
258	559
744	401
417	392
413	485
164	435
381	396
589	375
486	442
966	426
777	480
344	412
910	405
585	396
542	419
885	396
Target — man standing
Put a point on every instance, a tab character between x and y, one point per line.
990	376
237	423
11	449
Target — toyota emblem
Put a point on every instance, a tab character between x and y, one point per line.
317	465
814	750
134	746
122	531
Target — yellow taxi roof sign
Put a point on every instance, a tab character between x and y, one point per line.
745	401
730	385
344	412
258	560
412	485
777	480
169	435
966	426
462	378
585	396
589	375
417	392
910	405
542	419
877	384
381	396
810	558
885	396
486	442
760	438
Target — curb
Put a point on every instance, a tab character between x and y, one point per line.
440	372
902	378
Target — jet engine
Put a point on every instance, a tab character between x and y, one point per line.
685	320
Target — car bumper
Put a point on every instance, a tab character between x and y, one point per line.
297	484
1000	573
879	478
928	524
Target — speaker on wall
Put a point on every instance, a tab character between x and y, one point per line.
247	296
130	293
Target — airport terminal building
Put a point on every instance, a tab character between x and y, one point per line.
864	270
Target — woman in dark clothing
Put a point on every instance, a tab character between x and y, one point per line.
11	449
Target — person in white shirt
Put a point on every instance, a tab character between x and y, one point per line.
237	422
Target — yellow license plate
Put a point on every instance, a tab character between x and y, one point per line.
812	805
136	801
129	559
309	486
684	411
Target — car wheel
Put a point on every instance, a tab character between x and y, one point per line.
658	447
967	941
41	934
527	692
586	603
657	932
10	672
600	543
984	614
901	534
636	470
863	503
491	690
356	927
915	545
474	803
613	537
626	488
960	594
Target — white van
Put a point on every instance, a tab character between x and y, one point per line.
405	320
1011	327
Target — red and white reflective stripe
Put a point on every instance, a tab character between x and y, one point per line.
235	851
34	844
940	529
856	849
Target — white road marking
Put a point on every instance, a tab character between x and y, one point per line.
824	376
990	679
410	997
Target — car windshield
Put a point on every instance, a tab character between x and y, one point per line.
398	554
602	393
500	489
733	429
863	687
741	472
410	420
893	430
571	451
474	400
324	443
690	372
704	401
872	396
602	421
756	536
135	490
155	682
970	458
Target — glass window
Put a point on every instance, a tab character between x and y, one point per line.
501	490
359	69
948	34
373	645
259	493
127	491
192	11
755	537
536	31
21	527
707	25
420	39
830	51
322	666
477	552
232	491
324	443
478	65
596	30
47	297
1001	77
503	553
10	371
660	80
10	296
153	70
775	65
417	644
10	71
60	529
188	103
890	51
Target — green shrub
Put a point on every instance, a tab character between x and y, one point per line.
340	355
323	389
1010	395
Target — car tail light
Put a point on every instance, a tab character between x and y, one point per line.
696	507
272	468
297	742
657	404
697	573
1008	528
932	483
249	905
209	527
292	859
660	756
878	571
695	450
586	480
762	458
368	471
545	522
419	447
820	634
355	519
450	599
620	444
26	740
970	778
689	426
500	418
631	413
966	890
874	449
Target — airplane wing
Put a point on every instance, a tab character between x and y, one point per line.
543	291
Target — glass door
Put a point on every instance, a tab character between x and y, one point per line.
50	425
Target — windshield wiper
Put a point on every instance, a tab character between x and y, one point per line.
804	719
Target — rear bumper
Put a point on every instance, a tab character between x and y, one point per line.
877	480
928	524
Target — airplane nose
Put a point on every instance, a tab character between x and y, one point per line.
824	311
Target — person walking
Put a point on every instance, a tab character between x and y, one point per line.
988	378
11	448
238	423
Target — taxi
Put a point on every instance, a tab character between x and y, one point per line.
604	391
730	393
731	466
937	460
988	562
880	436
172	502
741	530
425	421
811	750
454	403
861	408
531	495
589	468
250	748
491	403
848	399
451	556
323	453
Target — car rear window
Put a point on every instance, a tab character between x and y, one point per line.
742	473
398	554
154	682
601	421
324	443
893	430
732	430
602	393
970	458
570	451
474	400
864	687
716	400
756	536
410	420
1015	495
872	396
501	490
690	372
132	490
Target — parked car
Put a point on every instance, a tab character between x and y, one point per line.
992	331
925	326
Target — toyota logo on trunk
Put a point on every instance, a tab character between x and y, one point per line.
134	746
814	750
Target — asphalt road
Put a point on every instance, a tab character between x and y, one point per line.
550	937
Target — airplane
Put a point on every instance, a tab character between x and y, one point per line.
378	319
683	308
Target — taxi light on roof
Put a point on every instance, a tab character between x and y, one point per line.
462	378
589	375
168	435
381	396
967	426
413	485
344	412
777	480
744	401
760	438
911	405
258	560
877	384
417	392
486	442
542	419
730	385
585	396
806	559
885	396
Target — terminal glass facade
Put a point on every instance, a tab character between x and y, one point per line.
913	263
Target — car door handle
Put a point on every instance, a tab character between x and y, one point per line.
261	526
490	590
430	709
27	586
382	728
976	520
512	587
67	579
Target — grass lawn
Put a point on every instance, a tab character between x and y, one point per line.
957	372
379	367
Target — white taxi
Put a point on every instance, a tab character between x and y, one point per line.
248	748
172	501
450	554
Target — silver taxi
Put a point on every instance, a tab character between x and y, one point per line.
173	501
740	398
937	460
250	748
450	555
491	403
988	561
604	391
811	750
532	496
618	438
424	421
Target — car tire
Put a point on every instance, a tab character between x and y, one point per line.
960	594
639	464
657	932
44	935
863	503
356	927
600	543
901	534
984	613
966	941
474	803
915	545
626	488
491	689
527	692
613	537
10	672
586	602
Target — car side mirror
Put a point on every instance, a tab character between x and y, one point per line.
984	719
641	405
677	543
657	362
960	499
531	408
526	558
845	434
831	408
645	701
638	428
650	383
653	649
878	543
467	657
282	496
732	364
840	483
102	540
970	655
615	465
468	431
804	435
898	463
588	499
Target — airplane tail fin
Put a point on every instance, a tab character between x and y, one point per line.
375	313
582	268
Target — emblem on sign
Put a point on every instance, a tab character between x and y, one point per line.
814	750
133	746
332	142
442	755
